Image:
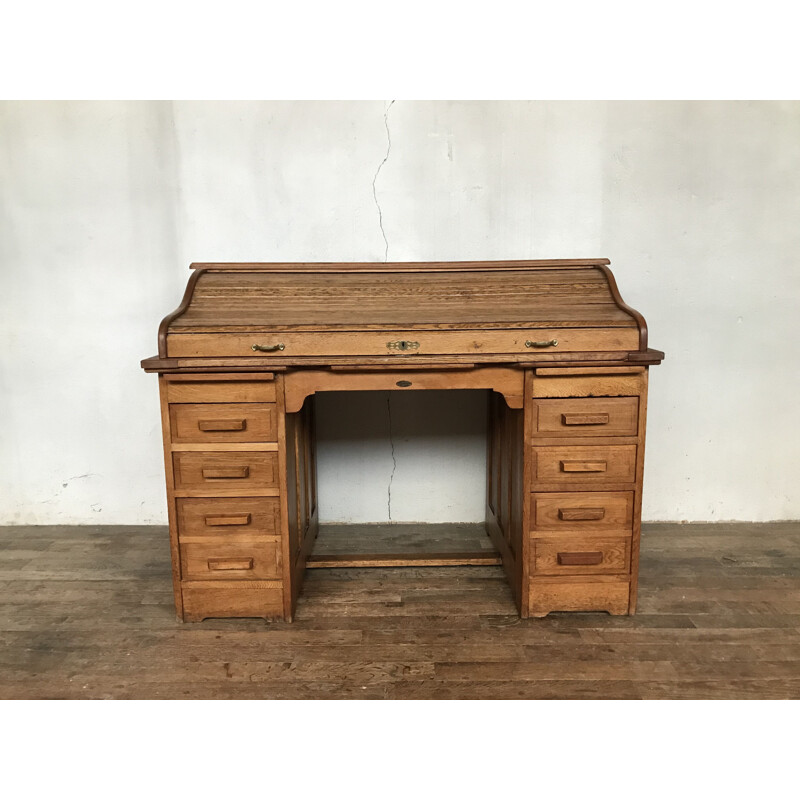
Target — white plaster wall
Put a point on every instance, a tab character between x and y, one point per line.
104	205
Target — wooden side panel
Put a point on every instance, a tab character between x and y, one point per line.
637	502
301	493
505	487
172	513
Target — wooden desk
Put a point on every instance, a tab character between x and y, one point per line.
563	359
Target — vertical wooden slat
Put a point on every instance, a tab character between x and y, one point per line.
289	588
637	500
172	514
529	410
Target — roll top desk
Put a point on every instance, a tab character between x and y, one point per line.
563	359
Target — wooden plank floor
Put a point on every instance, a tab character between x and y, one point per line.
402	537
86	612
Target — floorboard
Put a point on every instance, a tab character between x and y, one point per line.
86	612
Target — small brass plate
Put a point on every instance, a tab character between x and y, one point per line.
403	345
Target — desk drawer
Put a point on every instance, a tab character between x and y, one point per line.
586	416
583	512
566	466
228	516
401	342
222	389
231	598
224	561
572	555
221	473
223	422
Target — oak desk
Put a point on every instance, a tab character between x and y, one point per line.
564	362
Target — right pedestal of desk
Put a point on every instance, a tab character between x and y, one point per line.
584	437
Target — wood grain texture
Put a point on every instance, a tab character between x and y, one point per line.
88	613
369	343
227	388
223	422
590	416
219	473
302	383
225	560
609	555
250	344
603	466
285	297
229	517
587	513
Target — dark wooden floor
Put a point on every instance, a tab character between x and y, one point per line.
86	612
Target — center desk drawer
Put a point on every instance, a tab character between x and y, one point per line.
223	422
231	560
228	517
586	416
401	342
226	473
585	465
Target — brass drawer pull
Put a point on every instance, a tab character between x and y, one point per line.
211	425
584	466
579	559
226	472
550	343
229	563
580	514
269	348
403	345
584	419
228	519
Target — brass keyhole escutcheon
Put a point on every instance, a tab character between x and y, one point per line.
404	384
403	345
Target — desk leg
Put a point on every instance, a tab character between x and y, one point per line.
504	496
299	486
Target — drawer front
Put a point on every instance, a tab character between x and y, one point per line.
576	594
224	561
181	390
225	472
204	599
585	465
223	422
598	512
401	343
586	416
571	555
228	516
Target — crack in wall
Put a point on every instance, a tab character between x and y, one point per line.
394	460
385	259
374	180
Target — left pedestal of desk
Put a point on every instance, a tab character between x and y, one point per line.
224	457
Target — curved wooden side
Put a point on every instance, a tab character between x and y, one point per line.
163	328
640	321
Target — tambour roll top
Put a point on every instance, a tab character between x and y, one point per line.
498	311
